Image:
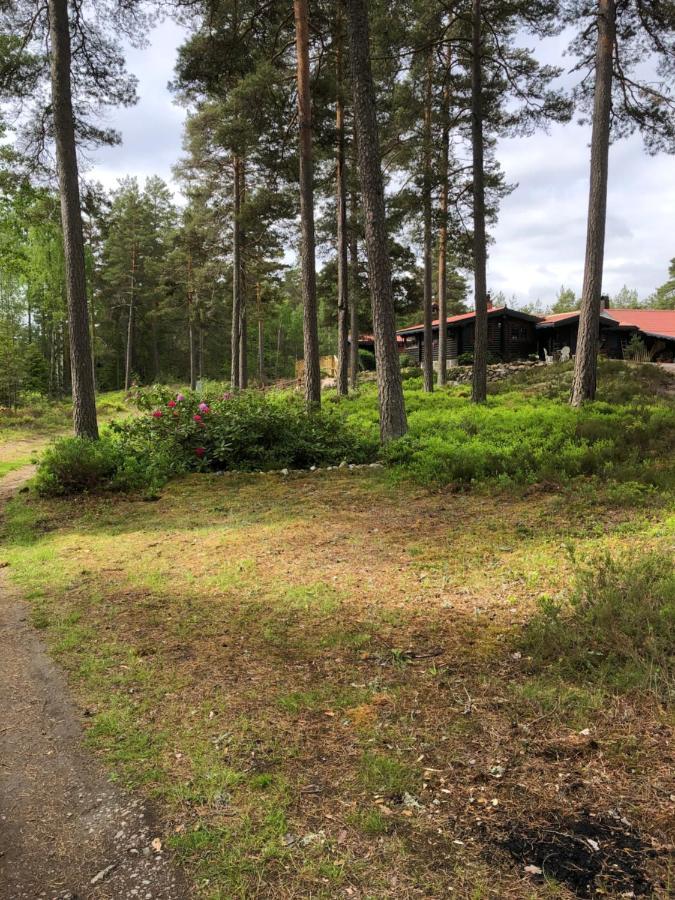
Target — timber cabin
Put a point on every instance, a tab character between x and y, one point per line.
654	327
511	335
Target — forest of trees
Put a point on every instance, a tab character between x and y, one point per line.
303	119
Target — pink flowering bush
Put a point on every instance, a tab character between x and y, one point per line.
248	431
245	431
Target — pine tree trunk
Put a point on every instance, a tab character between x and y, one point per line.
354	306
261	338
341	204
193	366
586	360
243	321
392	409
236	274
443	231
84	396
130	322
428	364
243	350
308	252
479	238
155	345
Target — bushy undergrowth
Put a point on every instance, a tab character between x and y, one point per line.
40	414
524	435
186	432
618	626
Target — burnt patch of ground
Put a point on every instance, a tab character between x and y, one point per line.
591	855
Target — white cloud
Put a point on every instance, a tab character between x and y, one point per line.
540	238
151	130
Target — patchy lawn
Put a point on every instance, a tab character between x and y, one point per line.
27	430
319	680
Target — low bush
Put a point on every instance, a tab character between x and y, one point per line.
527	439
367	360
617	627
246	431
72	465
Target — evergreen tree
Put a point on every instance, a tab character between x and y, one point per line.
81	75
614	40
664	296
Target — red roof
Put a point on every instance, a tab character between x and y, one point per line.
450	320
559	317
370	339
655	322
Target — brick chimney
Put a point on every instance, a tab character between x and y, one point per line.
489	301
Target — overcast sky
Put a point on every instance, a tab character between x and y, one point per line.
539	241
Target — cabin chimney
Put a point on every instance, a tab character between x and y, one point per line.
604	301
488	299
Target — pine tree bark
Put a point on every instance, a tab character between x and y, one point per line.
341	204
243	320
130	322
479	393
428	362
261	337
191	341
586	360
393	422
443	230
236	274
353	306
308	249
84	396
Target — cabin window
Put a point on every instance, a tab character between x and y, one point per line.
519	332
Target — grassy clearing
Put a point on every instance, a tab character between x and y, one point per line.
26	431
331	685
246	665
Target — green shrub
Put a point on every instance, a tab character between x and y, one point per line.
466	359
617	627
367	360
73	465
246	431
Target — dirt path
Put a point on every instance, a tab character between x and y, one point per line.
65	830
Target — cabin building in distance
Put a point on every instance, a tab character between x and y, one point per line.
642	334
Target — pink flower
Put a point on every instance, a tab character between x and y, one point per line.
171	404
204	407
157	414
197	417
199	451
179	398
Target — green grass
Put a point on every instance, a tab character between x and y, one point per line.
246	649
7	467
617	627
527	432
388	775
